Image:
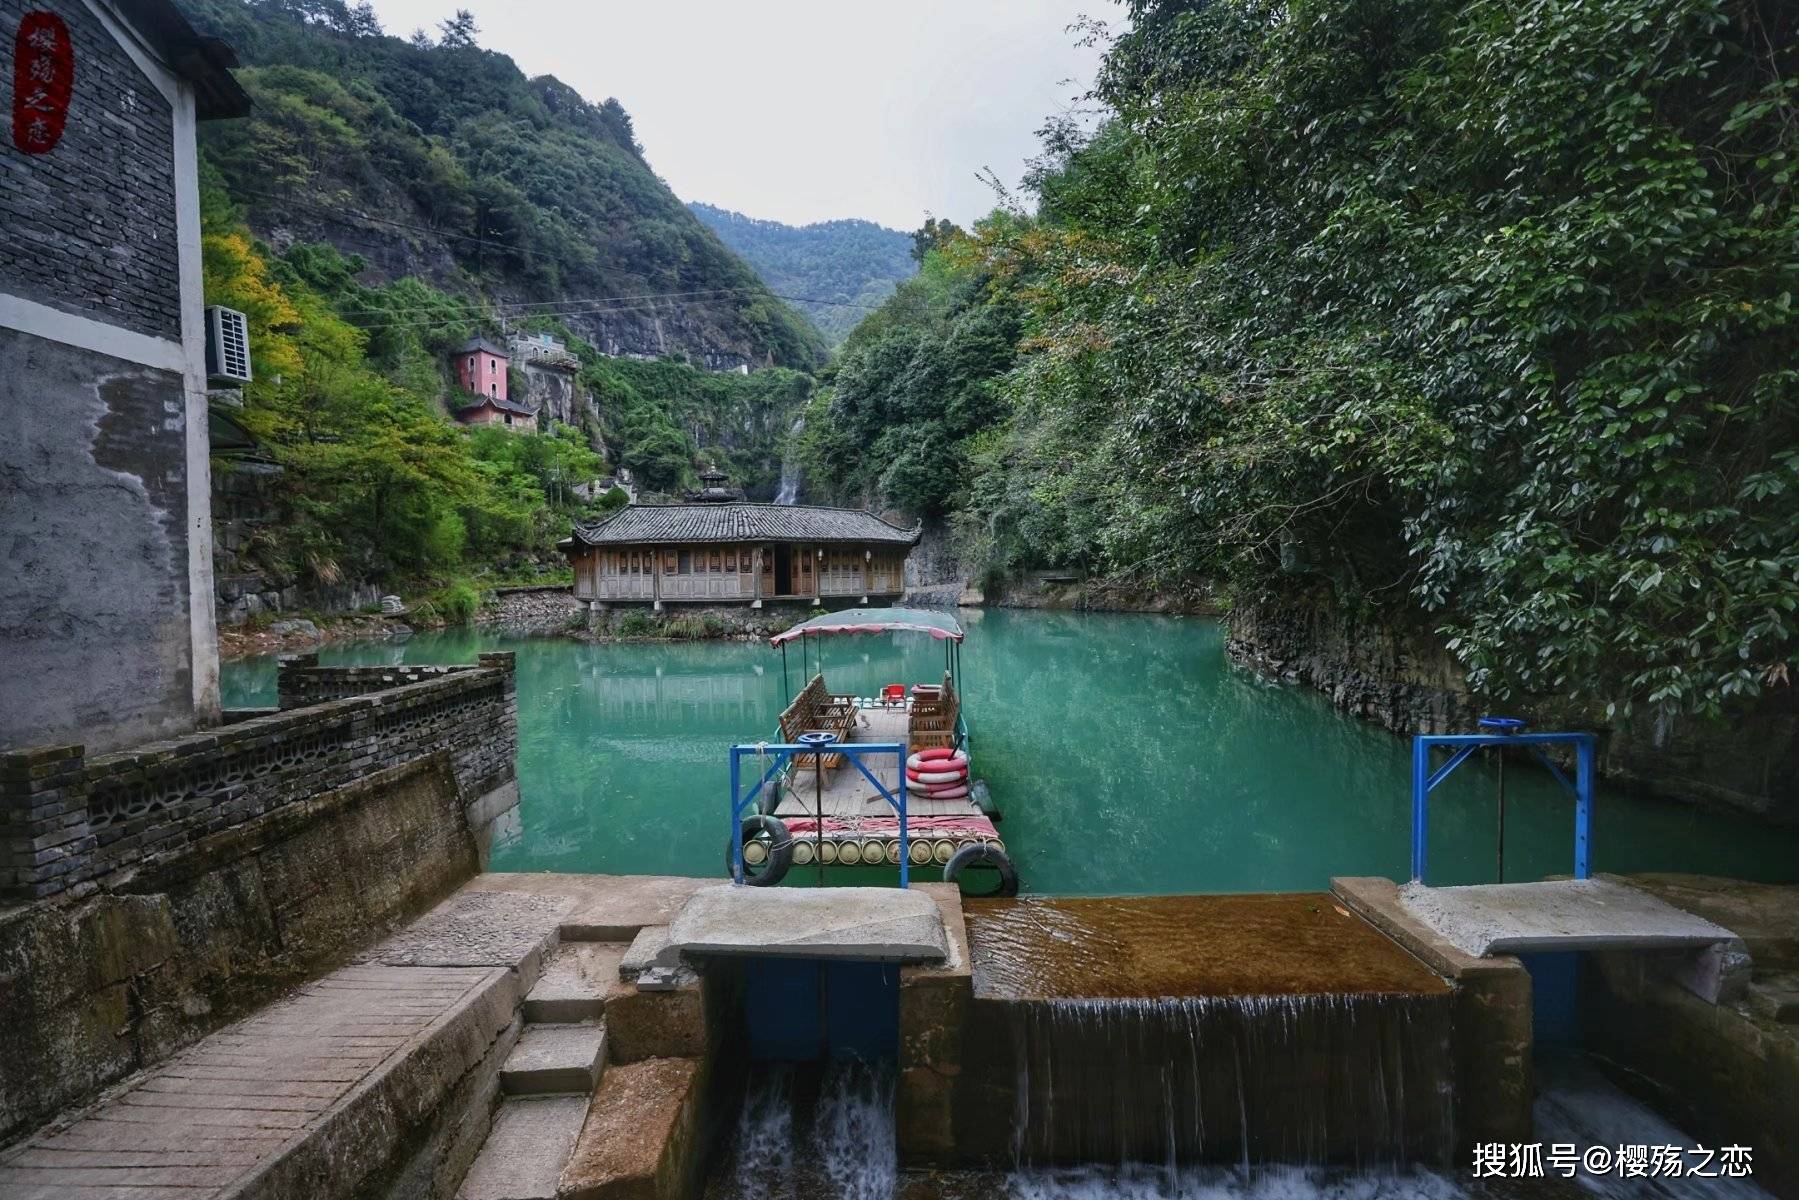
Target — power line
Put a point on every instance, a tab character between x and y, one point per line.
522	309
334	216
331	214
588	312
497	306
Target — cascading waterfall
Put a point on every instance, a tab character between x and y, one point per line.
805	1135
789	492
1302	1080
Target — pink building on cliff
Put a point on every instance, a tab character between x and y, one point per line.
481	370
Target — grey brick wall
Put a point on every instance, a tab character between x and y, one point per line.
66	819
303	682
90	226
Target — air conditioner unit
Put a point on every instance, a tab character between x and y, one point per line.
227	344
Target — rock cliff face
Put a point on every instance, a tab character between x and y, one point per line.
1405	681
1400	680
935	577
554	392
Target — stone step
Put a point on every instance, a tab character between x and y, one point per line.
640	1141
526	1149
555	1058
575	984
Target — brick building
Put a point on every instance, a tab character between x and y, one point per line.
481	371
106	621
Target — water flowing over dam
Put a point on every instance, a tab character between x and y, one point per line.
1237	1029
1311	1080
1154	1047
819	1133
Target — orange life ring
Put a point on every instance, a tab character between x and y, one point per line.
938	758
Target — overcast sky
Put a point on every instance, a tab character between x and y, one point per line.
808	110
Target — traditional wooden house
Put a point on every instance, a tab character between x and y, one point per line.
733	552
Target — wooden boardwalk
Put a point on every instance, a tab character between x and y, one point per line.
848	794
312	1094
238	1101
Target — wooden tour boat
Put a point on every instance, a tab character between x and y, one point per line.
831	791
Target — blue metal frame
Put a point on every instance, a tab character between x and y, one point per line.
1424	780
781	753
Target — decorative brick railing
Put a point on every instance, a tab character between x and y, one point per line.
303	682
66	819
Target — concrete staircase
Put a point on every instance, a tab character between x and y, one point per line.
549	1080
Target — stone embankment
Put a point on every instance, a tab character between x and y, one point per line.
301	634
1406	681
1069	591
535	609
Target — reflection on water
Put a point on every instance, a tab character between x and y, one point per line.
1126	753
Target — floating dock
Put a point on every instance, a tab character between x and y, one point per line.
858	824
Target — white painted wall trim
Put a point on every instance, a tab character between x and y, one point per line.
89	333
202	620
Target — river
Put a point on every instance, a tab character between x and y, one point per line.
1128	756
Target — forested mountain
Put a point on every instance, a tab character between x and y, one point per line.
435	158
386	200
838	270
1416	310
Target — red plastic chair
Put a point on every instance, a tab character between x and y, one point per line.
893	694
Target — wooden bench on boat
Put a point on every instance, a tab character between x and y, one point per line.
933	716
816	708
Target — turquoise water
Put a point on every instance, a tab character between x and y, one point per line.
1127	755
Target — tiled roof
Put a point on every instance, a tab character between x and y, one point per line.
475	401
638	523
481	343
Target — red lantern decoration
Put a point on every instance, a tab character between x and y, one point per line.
43	76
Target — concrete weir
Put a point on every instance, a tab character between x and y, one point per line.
1195	1029
571	1037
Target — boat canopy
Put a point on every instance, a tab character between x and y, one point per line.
939	625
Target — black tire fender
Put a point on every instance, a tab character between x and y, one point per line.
780	851
981	854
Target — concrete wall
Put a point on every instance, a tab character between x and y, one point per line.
1727	1074
104	471
98	985
95	612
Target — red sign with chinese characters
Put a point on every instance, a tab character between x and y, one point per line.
43	75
